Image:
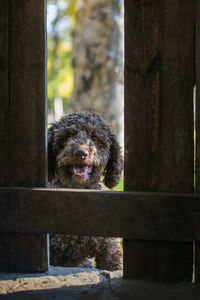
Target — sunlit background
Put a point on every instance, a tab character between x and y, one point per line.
85	59
60	22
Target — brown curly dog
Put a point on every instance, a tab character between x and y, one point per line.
82	149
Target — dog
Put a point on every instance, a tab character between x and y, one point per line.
82	150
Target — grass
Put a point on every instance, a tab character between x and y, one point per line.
120	186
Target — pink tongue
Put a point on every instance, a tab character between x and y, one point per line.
81	171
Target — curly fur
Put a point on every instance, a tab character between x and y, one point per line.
82	149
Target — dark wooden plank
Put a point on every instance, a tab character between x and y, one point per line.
141	96
159	137
197	115
27	131
141	119
142	216
4	111
28	93
197	119
176	120
21	258
177	48
142	92
162	252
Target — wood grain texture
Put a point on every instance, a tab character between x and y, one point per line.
162	252
25	118
142	216
159	80
4	112
197	61
4	92
177	48
142	132
176	120
197	119
25	254
141	96
28	128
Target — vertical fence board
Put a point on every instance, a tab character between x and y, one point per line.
23	252
176	118
4	111
197	119
142	82
159	116
197	187
27	124
28	93
141	96
177	71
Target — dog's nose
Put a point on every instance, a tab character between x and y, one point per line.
81	154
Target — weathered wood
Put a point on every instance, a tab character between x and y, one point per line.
23	256
161	252
159	80
27	128
142	79
141	115
4	111
159	64
197	113
142	216
4	93
176	119
177	50
27	150
197	119
141	96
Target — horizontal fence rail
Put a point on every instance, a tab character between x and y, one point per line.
135	215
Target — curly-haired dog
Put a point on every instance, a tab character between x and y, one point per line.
82	149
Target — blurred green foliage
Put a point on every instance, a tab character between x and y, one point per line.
120	186
60	22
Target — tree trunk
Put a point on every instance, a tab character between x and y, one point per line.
98	60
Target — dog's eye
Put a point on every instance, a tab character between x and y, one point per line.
94	138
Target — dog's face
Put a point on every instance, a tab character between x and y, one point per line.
80	147
82	154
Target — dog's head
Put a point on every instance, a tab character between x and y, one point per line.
82	148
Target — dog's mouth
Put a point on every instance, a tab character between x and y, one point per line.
79	175
81	172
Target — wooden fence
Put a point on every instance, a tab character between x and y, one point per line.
158	214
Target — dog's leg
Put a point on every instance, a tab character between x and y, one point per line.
109	254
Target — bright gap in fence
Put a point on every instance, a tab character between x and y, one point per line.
85	61
85	64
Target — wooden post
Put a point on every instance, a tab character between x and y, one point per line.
159	81
197	119
4	111
23	119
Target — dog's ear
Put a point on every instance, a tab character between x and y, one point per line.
114	166
51	152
